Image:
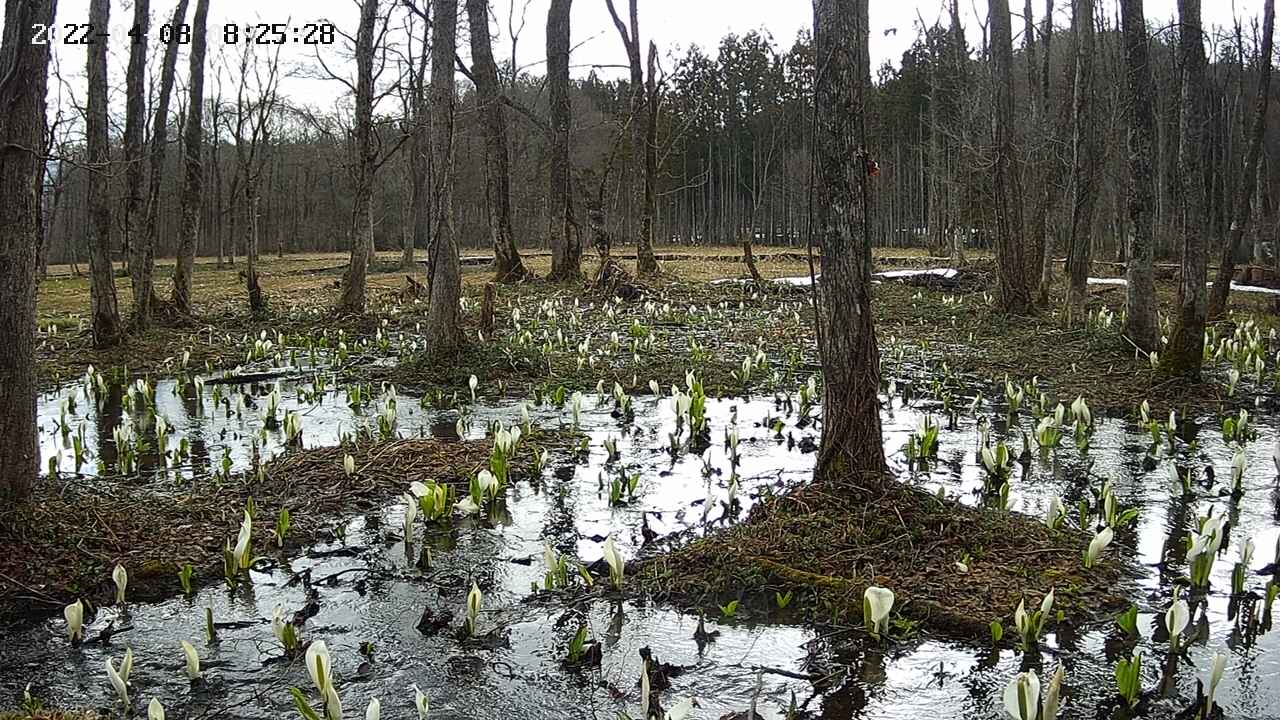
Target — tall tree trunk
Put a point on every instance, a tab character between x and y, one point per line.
134	120
142	264
646	262
443	332
851	439
1037	176
354	280
1185	352
1140	294
1249	176
1015	286
192	190
1086	163
23	84
493	126
252	200
102	287
1049	171
566	241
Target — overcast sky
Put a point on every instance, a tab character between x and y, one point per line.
673	24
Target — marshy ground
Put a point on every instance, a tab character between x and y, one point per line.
738	537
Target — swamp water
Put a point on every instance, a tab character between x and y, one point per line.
371	590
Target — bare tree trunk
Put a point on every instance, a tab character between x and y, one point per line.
1249	178
134	119
1086	161
851	438
1184	354
443	332
1049	171
1015	286
1140	294
193	179
646	263
566	241
102	286
142	264
493	126
24	70
354	280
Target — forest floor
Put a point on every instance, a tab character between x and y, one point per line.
957	324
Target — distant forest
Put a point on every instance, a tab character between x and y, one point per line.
733	131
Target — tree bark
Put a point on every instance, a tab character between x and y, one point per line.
443	331
1015	285
23	84
419	198
1140	293
362	164
1184	354
1086	161
142	262
104	311
134	120
493	127
566	241
192	190
1221	290
851	438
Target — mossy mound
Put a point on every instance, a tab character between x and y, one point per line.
828	541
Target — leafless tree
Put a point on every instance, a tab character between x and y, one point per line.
1184	353
1015	286
646	261
363	164
142	261
1249	174
134	122
566	240
104	312
23	85
851	437
1086	163
443	331
1140	301
192	190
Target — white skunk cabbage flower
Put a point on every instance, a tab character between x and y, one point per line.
876	604
374	711
74	614
1238	464
475	601
1215	677
1022	696
118	682
488	483
121	578
193	661
318	665
1080	410
410	515
278	624
473	382
655	388
349	464
1176	619
242	552
420	702
418	489
616	566
467	506
155	711
1246	553
1053	695
1055	513
1097	545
